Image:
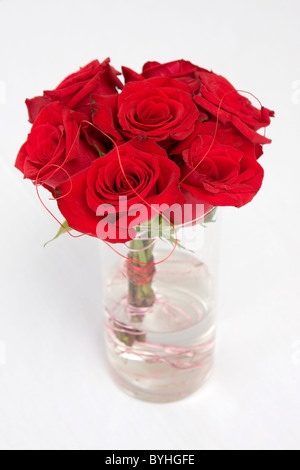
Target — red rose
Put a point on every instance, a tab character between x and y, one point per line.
105	116
227	135
75	90
181	70
55	140
152	175
224	177
161	108
216	91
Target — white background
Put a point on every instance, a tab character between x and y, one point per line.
55	392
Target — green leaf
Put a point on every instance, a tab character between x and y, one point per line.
63	229
157	227
101	154
160	227
211	216
172	240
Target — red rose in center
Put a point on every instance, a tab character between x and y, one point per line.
161	108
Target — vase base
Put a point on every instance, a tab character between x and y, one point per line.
168	394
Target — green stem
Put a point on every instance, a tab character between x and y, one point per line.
141	295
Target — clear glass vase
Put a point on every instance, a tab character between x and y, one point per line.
160	311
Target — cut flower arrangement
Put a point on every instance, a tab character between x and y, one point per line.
140	163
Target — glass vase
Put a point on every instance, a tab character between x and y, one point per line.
160	311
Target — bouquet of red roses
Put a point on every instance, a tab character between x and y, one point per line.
174	134
130	162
